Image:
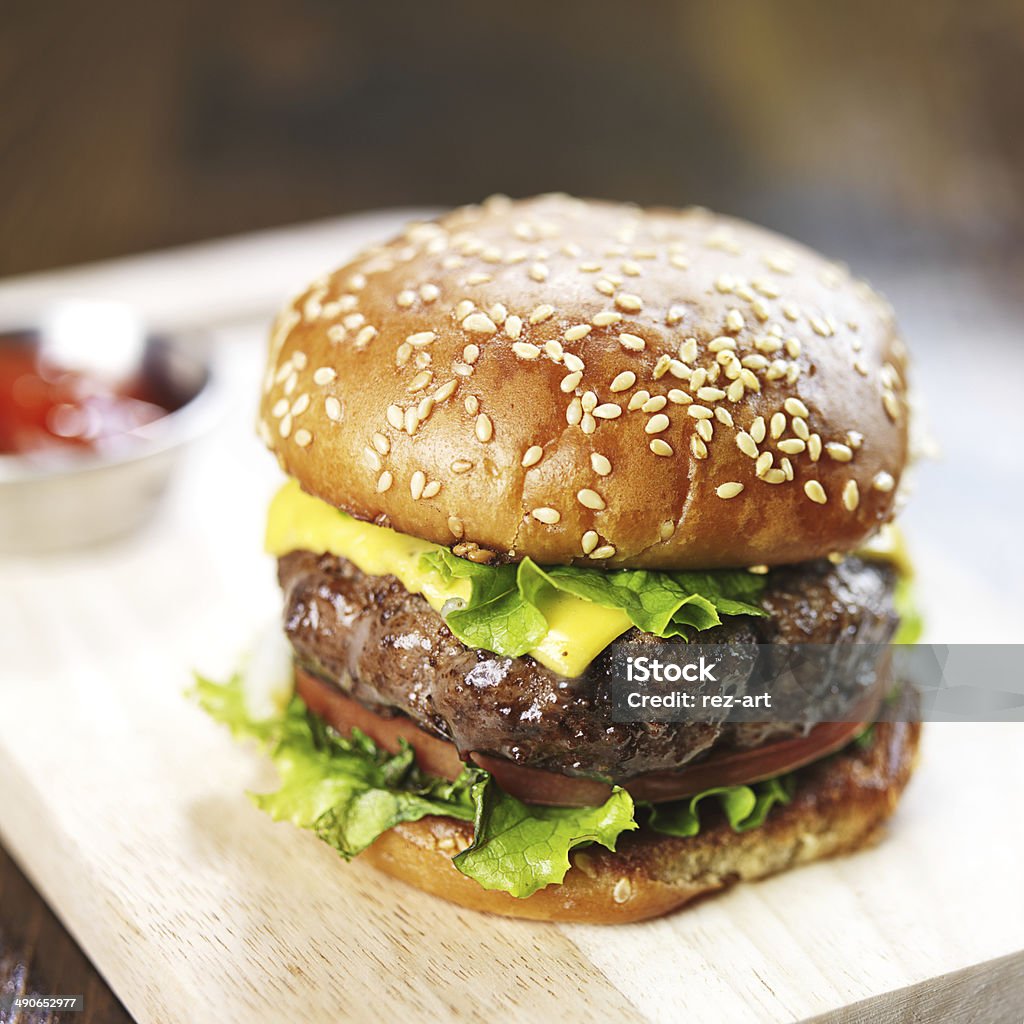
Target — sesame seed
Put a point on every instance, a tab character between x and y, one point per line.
589	541
546	515
656	424
883	482
605	551
796	408
394	417
678	261
758	429
539	272
608	411
478	278
590	499
541	313
793	347
280	408
532	456
706	429
632	342
623	381
679	397
365	336
637	399
801	429
405	299
333	408
605	318
660	447
372	459
303	438
662	365
749	381
431	489
729	490
291	382
764	463
839	452
421	338
461	466
600	464
814	447
892	405
382	443
525	350
605	287
854	439
513	326
403	354
420	381
384	481
675	315
574	413
324	375
778	425
851	496
747	444
688	350
631	268
821	327
655	404
284	428
429	292
577	332
571	381
456	526
722	344
484	428
773	476
590	267
628	302
723	416
792	446
787	467
479	323
707	394
411	421
700	412
416	485
589	400
425	407
573	362
698	449
337	333
445	391
815	492
734	320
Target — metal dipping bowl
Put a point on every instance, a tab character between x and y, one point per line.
65	499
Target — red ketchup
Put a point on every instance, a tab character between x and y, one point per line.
46	408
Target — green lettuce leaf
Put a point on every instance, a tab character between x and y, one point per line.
520	848
905	601
348	791
745	807
504	613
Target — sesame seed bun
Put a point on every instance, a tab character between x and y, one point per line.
840	805
592	383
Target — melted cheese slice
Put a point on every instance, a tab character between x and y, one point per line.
578	630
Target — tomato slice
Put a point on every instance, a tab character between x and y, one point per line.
439	757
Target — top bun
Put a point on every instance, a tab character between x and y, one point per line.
594	383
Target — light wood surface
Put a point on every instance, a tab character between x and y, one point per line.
126	806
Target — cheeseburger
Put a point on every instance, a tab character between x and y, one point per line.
529	434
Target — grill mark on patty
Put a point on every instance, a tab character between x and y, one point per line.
391	651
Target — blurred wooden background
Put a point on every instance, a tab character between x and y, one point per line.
127	126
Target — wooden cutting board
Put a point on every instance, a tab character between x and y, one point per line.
126	806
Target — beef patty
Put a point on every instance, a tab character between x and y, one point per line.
393	653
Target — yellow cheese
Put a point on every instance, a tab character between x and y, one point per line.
888	545
578	630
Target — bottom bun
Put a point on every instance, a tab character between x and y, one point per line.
840	805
